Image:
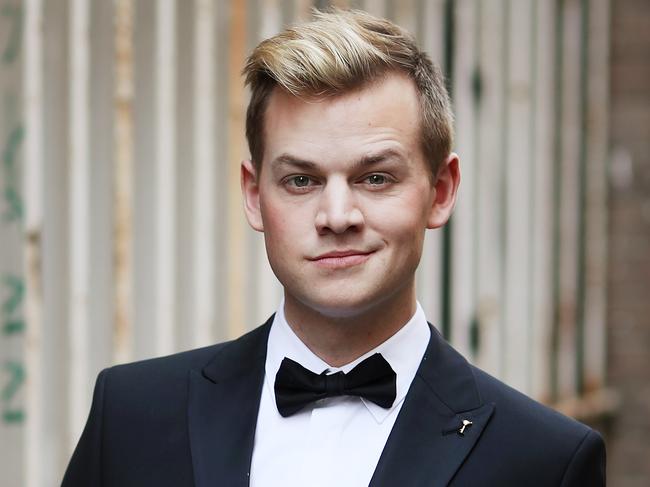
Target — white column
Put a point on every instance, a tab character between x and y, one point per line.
204	200
165	211
490	256
542	214
79	209
518	198
33	191
123	182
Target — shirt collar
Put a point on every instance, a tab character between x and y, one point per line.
403	351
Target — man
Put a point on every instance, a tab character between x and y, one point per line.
350	133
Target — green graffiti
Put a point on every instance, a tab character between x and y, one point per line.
17	373
9	157
14	142
17	377
16	287
14	41
13	324
13	327
15	416
14	204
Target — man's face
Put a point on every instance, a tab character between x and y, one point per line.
345	196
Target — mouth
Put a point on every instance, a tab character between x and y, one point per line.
341	259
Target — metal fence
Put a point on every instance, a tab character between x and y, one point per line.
122	235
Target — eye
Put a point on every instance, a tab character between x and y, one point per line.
299	181
376	179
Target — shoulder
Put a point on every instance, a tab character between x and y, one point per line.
177	365
517	409
170	367
166	378
533	437
134	387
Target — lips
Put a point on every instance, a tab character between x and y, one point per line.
342	258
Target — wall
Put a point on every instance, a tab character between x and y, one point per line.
122	132
12	217
629	234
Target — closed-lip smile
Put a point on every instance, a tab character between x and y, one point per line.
342	258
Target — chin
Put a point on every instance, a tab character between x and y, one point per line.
340	305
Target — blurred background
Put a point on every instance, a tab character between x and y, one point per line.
122	235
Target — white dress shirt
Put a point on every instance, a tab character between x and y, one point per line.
335	441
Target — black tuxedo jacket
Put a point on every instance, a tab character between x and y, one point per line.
189	420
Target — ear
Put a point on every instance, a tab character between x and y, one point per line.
445	191
250	189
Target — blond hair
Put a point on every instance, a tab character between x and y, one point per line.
338	51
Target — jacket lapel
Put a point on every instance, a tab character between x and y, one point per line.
222	410
425	447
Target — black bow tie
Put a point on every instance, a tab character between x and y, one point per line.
295	386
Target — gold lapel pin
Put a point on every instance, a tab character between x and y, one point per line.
466	423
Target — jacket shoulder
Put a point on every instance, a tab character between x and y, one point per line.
517	408
167	367
525	436
164	380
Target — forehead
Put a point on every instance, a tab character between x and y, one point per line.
382	115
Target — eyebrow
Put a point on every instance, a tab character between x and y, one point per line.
289	160
367	160
381	156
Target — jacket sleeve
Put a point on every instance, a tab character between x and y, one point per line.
85	465
587	466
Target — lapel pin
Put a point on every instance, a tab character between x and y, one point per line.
466	423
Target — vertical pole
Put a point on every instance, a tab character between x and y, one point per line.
518	196
583	174
79	208
568	245
166	176
541	224
33	190
204	174
123	182
236	145
557	165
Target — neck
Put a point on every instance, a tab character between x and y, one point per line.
339	340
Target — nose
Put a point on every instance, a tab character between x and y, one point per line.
338	210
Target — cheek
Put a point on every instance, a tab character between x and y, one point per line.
401	217
274	231
273	215
284	229
403	225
